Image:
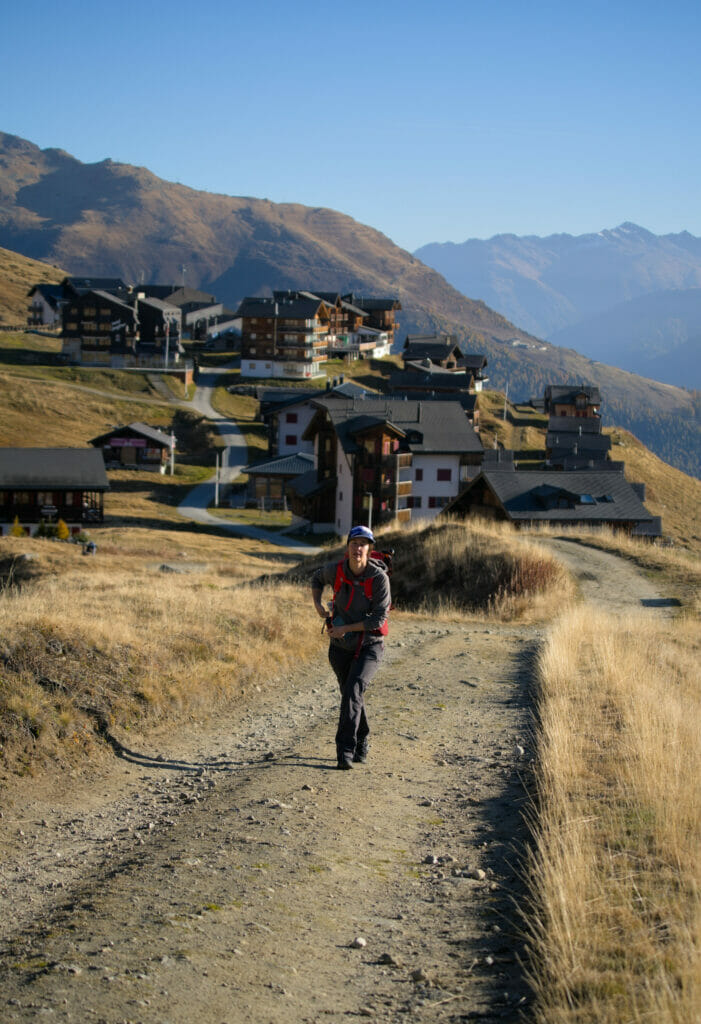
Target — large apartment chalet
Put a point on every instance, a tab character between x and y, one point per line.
292	333
381	459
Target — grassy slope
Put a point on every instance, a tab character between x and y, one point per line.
17	275
123	220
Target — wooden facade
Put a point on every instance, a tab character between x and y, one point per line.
42	485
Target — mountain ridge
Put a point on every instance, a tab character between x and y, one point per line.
112	219
563	287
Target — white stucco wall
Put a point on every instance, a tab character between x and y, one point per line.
304	414
344	495
430	486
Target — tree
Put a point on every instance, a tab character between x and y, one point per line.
62	531
16	530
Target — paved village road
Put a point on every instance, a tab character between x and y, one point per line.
235	456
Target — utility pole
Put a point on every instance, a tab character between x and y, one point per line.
506	396
216	484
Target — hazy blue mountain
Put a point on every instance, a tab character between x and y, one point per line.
656	335
566	288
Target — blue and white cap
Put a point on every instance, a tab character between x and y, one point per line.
361	532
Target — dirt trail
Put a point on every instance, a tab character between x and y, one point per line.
223	874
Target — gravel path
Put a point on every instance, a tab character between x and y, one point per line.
229	874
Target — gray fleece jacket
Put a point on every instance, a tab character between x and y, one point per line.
351	603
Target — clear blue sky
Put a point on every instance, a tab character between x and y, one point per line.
429	121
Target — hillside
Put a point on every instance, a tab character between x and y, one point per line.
115	219
549	285
657	335
17	275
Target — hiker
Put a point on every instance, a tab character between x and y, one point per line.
356	627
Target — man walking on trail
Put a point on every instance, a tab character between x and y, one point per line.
356	628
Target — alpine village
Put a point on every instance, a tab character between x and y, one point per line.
338	452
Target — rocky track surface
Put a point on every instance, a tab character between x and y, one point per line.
230	874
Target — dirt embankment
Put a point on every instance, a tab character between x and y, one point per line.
225	874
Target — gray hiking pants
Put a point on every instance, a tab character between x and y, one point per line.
353	672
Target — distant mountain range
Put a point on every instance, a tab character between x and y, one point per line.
625	295
113	219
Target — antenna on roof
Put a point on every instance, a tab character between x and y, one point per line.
183	269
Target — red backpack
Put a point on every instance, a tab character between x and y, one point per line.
384	558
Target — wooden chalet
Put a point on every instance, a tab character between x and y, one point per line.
578	498
45	305
43	485
581	401
99	328
268	480
136	446
380	459
380	312
283	337
441	350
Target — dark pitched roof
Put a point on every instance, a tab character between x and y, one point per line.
427	426
566	393
427	372
372	304
273	399
474	361
293	308
38	468
535	495
562	442
111	300
285	465
79	285
182	296
575	424
53	293
167	308
433	350
141	429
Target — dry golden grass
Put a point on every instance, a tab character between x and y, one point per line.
96	642
465	566
669	493
523	429
53	414
616	925
18	274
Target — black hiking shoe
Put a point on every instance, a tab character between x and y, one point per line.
344	766
361	752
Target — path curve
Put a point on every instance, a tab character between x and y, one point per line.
609	581
196	505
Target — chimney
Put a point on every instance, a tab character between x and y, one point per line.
418	412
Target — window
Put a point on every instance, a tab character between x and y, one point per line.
413	501
290	439
291	417
437	502
385	447
418	474
444	474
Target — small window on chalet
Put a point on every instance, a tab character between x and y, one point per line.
586	499
290	439
291	417
605	498
444	474
386	446
418	474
